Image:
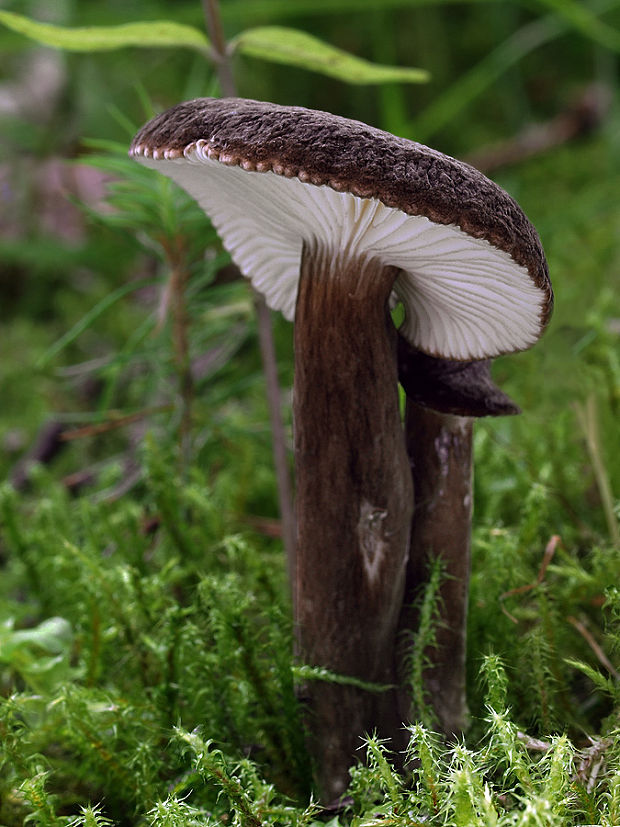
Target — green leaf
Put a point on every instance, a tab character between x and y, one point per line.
40	655
104	38
53	635
294	48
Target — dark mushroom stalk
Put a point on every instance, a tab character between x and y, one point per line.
332	220
354	500
440	451
443	398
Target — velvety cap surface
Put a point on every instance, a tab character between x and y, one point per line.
473	280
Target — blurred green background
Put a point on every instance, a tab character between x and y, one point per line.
525	89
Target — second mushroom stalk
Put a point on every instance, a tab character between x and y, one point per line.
443	399
332	219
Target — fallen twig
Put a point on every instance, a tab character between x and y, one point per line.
47	445
581	118
589	638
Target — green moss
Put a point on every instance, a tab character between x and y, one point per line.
146	652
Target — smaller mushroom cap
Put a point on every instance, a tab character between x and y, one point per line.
451	387
473	277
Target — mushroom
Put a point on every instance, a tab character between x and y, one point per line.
443	398
333	221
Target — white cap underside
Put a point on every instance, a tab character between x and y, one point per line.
463	298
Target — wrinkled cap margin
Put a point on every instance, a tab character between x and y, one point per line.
473	281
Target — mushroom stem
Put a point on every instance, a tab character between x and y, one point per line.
354	502
440	451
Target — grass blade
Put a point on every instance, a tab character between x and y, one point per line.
86	320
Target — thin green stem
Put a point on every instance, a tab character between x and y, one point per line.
179	276
265	331
222	66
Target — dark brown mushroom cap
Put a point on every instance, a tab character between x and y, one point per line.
351	156
451	387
